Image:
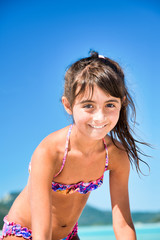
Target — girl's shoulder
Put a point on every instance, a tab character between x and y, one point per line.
52	146
55	141
117	155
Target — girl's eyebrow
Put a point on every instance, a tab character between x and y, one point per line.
91	101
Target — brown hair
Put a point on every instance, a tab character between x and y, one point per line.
109	76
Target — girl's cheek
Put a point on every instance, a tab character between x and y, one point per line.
114	117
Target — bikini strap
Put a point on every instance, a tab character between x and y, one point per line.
105	145
66	150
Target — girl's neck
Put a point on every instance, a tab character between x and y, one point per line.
85	144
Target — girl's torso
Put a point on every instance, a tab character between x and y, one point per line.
76	177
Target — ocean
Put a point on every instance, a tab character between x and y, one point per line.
144	232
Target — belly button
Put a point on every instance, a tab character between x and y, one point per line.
64	225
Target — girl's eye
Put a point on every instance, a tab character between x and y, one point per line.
88	106
110	105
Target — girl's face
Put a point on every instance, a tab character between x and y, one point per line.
96	116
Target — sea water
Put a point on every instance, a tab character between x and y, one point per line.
143	231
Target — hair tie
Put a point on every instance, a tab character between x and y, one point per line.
101	56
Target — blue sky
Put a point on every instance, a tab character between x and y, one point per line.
38	40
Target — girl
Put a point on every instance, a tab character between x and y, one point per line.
70	163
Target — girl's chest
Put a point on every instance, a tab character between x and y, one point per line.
78	167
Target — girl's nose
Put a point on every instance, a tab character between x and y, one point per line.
99	117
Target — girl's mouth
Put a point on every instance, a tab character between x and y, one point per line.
97	127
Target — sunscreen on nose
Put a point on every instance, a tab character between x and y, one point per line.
99	116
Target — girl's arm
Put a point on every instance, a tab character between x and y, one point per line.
119	175
42	172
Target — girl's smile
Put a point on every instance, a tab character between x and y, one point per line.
98	127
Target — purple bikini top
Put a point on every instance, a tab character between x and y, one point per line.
81	187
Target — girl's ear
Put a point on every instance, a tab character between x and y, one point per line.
66	105
123	100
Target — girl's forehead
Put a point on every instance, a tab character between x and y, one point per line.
93	93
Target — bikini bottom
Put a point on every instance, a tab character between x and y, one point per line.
11	228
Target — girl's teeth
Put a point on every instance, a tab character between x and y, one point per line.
97	126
